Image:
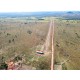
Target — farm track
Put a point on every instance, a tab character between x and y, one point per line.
52	52
49	40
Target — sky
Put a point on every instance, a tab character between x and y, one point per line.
39	5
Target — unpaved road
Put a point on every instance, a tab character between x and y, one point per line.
48	41
52	52
48	38
46	45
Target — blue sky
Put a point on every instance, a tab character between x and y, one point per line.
39	5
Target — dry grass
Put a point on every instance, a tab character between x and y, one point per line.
67	43
21	38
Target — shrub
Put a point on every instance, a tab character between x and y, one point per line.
4	66
29	32
9	41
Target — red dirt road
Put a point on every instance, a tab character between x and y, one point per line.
49	40
46	45
52	52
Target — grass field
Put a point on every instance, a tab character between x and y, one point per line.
67	43
19	40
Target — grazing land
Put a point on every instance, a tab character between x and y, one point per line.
40	41
19	40
67	44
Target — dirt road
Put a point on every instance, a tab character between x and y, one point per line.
46	45
52	52
48	41
48	38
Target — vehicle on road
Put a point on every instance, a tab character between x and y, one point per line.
39	52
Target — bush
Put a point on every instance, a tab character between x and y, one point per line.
64	67
4	66
17	58
29	32
43	63
9	41
8	34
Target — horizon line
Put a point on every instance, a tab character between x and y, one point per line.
37	11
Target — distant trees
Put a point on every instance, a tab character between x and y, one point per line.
25	23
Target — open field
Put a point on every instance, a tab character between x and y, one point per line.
36	41
67	44
19	40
